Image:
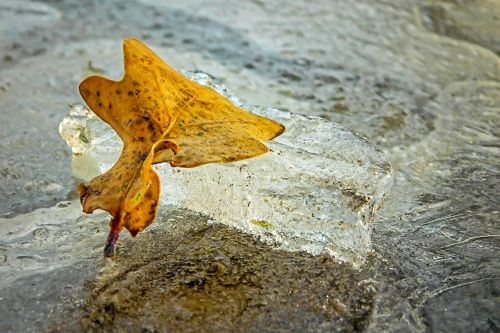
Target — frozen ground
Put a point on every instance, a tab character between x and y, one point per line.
419	79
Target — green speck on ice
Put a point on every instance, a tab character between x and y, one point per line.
83	135
262	224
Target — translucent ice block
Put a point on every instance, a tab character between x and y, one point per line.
316	191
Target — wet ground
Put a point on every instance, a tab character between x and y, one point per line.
420	79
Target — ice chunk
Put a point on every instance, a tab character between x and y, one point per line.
316	191
94	144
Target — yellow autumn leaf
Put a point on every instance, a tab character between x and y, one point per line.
161	116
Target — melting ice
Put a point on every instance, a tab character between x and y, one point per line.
317	191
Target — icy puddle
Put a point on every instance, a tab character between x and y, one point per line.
418	79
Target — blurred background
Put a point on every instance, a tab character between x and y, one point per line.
418	79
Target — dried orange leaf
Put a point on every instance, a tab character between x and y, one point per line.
161	116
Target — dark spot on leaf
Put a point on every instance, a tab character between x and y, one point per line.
85	93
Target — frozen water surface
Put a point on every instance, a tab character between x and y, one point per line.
316	191
419	79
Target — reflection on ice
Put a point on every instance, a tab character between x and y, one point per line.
316	191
